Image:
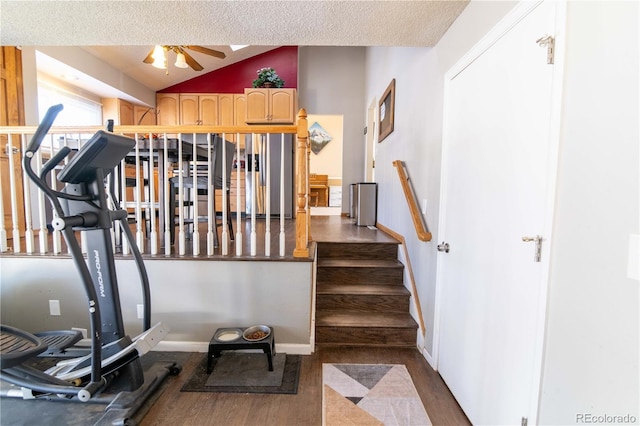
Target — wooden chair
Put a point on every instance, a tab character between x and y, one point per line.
319	185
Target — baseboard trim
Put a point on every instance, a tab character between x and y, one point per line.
177	346
429	359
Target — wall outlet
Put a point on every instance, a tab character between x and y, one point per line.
54	307
424	206
140	311
81	330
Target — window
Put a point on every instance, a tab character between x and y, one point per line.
80	108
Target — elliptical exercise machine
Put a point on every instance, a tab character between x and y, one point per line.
113	362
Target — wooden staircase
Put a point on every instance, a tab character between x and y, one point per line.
360	296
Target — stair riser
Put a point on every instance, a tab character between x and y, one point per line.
373	336
360	275
358	251
362	303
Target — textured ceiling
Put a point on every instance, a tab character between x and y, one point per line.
274	23
121	33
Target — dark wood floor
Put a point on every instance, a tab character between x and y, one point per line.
305	408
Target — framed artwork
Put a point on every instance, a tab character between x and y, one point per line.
386	111
319	137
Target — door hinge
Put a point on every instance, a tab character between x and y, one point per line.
10	149
524	421
550	43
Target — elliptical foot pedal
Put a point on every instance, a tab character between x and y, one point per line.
59	340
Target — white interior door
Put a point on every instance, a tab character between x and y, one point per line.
495	192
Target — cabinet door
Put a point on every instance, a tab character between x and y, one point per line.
282	105
257	105
168	108
225	101
239	115
189	110
144	116
226	116
208	107
125	112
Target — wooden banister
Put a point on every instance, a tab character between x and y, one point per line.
79	133
410	196
302	187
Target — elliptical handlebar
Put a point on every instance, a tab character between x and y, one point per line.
43	127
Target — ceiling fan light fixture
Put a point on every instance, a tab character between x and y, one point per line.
160	62
181	61
158	52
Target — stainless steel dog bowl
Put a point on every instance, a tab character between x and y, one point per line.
247	335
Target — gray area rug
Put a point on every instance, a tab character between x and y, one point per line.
238	372
251	369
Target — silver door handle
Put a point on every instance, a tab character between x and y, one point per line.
443	247
538	240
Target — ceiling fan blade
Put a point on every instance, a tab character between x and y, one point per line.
191	62
149	58
207	51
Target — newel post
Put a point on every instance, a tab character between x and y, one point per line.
302	219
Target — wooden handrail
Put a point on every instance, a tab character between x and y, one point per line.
410	196
412	279
291	129
300	129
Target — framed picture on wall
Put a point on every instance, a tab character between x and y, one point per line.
386	111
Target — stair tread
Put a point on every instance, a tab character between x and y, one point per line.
362	319
363	289
359	263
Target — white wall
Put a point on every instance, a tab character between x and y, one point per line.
193	298
417	135
591	357
92	68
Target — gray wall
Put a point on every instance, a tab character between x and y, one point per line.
417	137
330	81
592	337
192	298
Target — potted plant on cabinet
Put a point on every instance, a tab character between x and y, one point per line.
267	77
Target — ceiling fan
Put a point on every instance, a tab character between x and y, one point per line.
157	56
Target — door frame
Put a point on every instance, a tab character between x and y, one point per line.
370	142
519	12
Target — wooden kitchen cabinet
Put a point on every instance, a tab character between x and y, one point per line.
270	106
226	115
199	109
144	116
168	109
118	110
240	114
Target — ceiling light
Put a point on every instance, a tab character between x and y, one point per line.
181	61
158	52
160	63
